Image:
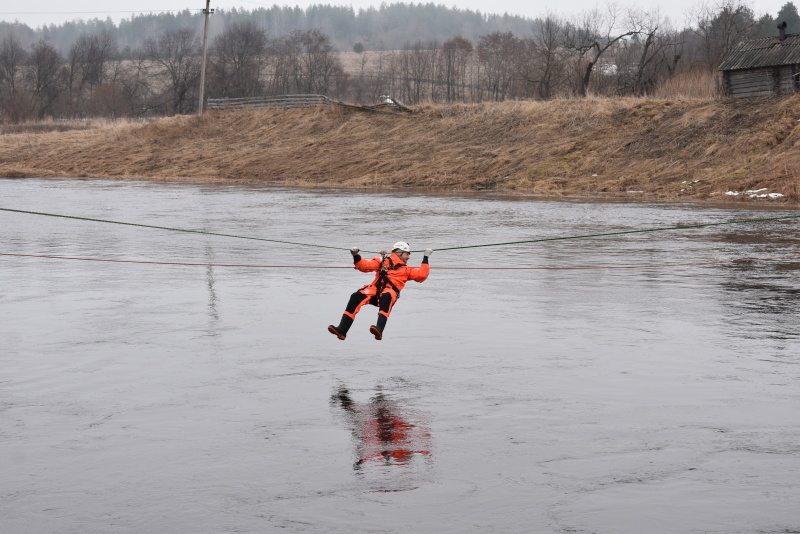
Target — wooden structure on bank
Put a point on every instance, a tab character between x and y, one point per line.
763	67
302	101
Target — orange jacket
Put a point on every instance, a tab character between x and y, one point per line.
401	274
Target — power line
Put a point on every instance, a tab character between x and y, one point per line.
93	12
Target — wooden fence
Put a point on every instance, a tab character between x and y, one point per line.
300	101
281	101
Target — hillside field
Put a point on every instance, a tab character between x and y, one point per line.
631	148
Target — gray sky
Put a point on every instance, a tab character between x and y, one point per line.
38	12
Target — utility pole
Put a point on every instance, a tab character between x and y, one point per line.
207	11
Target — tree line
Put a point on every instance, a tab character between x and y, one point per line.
387	27
610	51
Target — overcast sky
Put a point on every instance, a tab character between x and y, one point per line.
37	12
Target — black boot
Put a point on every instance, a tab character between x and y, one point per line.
344	325
377	329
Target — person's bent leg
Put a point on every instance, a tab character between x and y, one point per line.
385	308
357	300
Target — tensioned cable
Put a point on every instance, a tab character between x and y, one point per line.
623	232
539	240
585	267
169	228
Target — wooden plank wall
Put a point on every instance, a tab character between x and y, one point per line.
761	82
786	84
282	101
747	83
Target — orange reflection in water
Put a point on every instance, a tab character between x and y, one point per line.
385	431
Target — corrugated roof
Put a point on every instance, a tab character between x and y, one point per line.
766	52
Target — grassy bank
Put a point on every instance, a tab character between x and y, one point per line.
616	147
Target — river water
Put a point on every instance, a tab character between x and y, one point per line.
142	397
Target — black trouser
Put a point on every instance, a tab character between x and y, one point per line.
357	300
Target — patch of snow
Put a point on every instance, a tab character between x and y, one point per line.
755	193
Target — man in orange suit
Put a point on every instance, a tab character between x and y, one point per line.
391	275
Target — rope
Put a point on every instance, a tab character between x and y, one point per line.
177	263
588	267
563	238
169	228
683	227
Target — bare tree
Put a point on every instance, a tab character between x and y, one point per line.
12	60
285	53
112	98
176	53
649	57
238	61
318	65
138	88
45	78
89	55
594	34
721	26
417	64
384	80
361	83
497	53
453	60
88	58
543	62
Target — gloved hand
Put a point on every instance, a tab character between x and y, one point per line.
428	251
354	250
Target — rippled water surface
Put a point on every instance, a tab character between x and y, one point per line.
141	397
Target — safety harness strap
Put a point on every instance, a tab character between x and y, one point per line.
383	276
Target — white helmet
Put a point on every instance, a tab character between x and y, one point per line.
402	245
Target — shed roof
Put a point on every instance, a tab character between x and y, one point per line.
766	52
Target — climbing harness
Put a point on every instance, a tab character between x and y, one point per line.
383	275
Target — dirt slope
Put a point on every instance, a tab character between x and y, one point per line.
626	147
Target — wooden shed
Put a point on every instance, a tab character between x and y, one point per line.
763	67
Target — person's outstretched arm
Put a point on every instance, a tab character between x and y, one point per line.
421	273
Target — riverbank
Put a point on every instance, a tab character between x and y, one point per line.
633	148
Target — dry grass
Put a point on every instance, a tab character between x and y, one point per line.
568	147
693	84
50	125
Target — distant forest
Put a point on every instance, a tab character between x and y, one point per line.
150	65
388	27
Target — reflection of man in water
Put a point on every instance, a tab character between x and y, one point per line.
383	432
